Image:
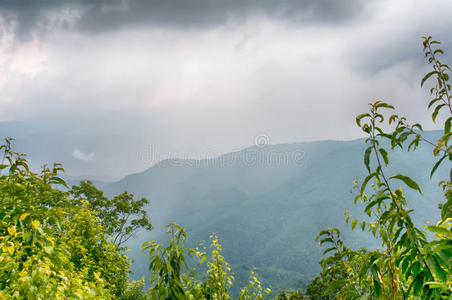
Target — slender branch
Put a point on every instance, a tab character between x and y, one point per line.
120	233
394	200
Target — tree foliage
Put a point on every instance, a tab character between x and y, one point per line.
50	249
173	278
122	216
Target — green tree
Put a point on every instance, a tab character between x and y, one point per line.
49	248
172	278
254	289
90	250
35	258
219	278
121	216
168	264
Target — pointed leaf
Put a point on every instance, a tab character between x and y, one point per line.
359	117
437	165
408	181
328	250
354	222
366	180
437	109
367	158
447	125
23	216
427	77
384	154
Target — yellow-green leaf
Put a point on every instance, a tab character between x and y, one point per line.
23	216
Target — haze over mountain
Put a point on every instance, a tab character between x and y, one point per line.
109	145
268	203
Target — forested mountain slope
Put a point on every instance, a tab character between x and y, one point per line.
268	203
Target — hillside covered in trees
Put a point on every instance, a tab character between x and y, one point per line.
267	204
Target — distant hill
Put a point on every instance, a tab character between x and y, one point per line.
268	203
108	145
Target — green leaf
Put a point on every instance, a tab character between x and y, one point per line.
328	250
436	268
359	117
363	225
418	283
373	203
354	222
437	165
408	181
415	142
377	288
415	269
58	180
327	240
433	284
418	126
437	109
323	232
385	105
366	180
438	229
367	158
23	216
427	77
392	118
404	264
394	139
438	51
447	125
384	154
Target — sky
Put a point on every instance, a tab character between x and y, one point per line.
217	74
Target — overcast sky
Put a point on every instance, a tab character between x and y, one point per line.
293	70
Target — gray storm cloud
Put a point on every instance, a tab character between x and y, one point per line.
214	74
104	15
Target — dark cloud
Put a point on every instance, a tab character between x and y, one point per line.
103	15
378	57
402	45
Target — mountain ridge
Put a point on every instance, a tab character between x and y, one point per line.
267	205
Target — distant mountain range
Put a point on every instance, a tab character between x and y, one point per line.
268	203
108	145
